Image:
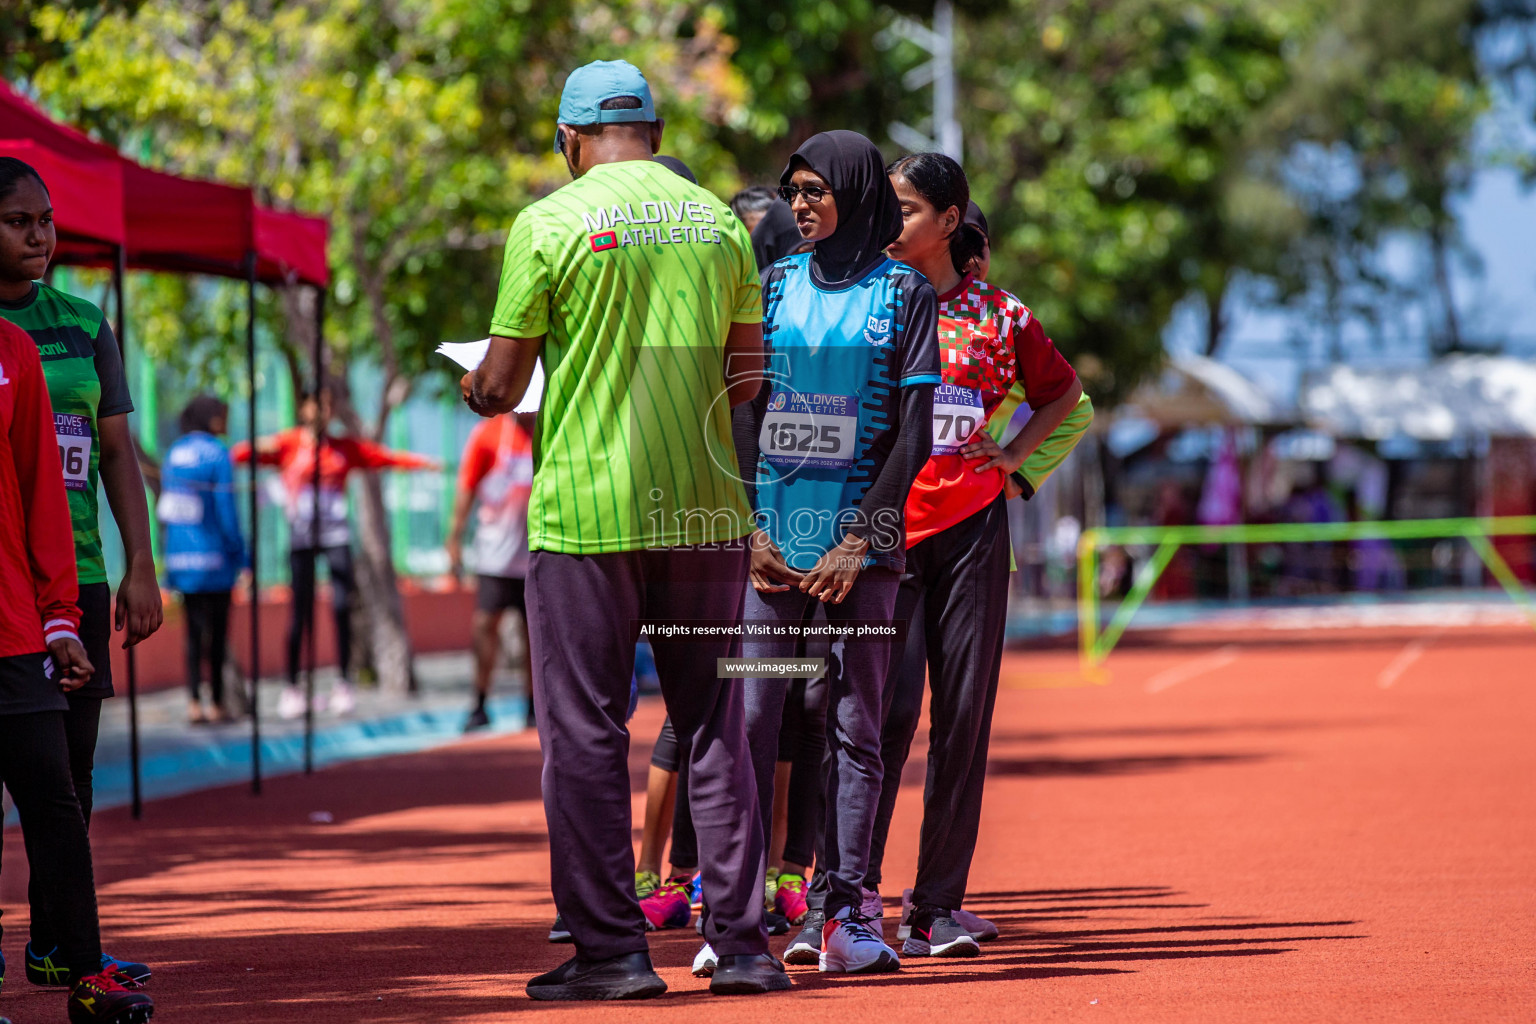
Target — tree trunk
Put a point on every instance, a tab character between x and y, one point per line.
1216	316
386	642
389	643
384	645
1441	260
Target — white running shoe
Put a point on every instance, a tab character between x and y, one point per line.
848	946
343	700
873	910
704	963
290	703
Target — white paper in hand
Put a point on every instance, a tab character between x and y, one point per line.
470	354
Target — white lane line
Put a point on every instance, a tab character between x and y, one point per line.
1400	664
1190	669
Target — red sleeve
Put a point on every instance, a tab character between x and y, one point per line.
1045	372
479	456
282	451
361	454
40	479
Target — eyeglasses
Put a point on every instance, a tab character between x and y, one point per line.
812	193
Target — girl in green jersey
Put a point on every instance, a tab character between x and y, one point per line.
84	371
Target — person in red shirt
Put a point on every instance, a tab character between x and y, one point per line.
293	452
41	660
497	472
955	593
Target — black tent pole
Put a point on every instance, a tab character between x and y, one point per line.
314	539
250	371
119	271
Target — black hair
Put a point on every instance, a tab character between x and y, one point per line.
753	199
939	180
12	171
201	412
308	393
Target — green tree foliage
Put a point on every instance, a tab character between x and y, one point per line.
1111	152
1379	119
24	45
419	127
1131	155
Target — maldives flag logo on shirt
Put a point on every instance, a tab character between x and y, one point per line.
604	240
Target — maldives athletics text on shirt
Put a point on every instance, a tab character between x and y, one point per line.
85	383
633	276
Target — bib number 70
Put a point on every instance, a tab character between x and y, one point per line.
952	429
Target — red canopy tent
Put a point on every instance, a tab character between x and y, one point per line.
111	211
87	195
166	222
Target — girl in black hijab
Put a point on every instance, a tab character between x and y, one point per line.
868	215
828	450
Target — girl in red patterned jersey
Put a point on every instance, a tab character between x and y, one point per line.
955	593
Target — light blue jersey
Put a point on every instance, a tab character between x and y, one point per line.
827	416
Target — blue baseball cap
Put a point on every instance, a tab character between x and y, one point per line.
589	85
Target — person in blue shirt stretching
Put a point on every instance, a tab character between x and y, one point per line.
204	551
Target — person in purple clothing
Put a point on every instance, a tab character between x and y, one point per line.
204	551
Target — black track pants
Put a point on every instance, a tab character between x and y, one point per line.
956	598
35	767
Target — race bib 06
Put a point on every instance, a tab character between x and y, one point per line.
810	430
74	434
957	413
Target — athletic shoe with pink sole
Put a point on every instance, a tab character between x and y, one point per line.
667	906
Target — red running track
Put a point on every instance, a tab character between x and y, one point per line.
1310	832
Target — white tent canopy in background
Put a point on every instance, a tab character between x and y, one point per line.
1195	391
1458	397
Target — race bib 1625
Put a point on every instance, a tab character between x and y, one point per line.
810	430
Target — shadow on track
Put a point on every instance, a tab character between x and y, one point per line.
1129	765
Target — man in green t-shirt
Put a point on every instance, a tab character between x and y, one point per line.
640	292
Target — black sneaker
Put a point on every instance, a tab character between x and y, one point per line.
748	975
806	947
936	933
102	999
478	719
622	977
47	971
776	922
558	932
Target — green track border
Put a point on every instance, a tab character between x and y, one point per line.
1095	645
